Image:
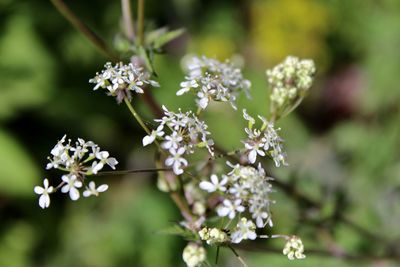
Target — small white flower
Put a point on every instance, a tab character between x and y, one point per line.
211	79
44	199
254	149
148	139
215	184
245	229
176	160
91	190
172	141
294	248
72	183
230	208
193	255
186	86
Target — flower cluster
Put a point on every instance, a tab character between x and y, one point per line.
210	79
213	235
79	161
263	141
194	255
290	80
186	132
244	190
294	248
120	80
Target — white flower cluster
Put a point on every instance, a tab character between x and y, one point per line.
79	161
120	80
194	255
187	132
290	79
242	189
294	248
213	235
263	141
213	80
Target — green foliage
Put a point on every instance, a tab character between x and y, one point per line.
19	173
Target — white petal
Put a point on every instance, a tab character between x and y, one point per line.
112	162
223	211
87	193
148	139
74	193
97	167
65	178
177	169
252	156
169	161
251	235
44	201
65	188
203	102
102	188
38	190
214	179
207	186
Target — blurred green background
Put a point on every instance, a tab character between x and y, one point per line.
343	142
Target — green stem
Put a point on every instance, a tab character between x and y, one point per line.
85	30
140	21
123	172
127	18
136	116
140	121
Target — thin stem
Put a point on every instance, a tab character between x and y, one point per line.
237	256
123	172
84	29
140	21
127	18
136	116
140	121
217	257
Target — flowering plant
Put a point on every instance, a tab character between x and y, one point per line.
222	204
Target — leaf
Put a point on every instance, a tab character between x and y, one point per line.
167	37
18	174
147	59
179	231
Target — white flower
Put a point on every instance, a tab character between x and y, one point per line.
148	139
186	86
120	80
294	248
172	141
103	156
77	160
211	79
72	183
92	190
230	208
263	141
193	255
245	229
176	160
254	149
44	199
215	184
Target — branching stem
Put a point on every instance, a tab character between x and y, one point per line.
84	29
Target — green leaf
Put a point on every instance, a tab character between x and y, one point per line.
167	37
18	174
143	53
